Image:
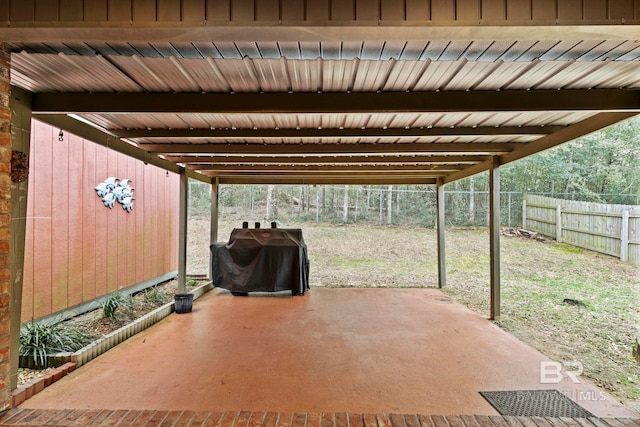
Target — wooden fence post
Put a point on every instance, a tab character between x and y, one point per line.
524	212
624	237
558	223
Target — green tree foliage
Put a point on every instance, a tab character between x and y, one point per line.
598	167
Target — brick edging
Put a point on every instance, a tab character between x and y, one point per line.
36	385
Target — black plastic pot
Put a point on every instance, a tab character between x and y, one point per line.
183	303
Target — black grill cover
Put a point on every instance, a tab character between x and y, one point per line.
262	260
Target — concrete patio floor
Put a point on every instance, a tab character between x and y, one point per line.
411	351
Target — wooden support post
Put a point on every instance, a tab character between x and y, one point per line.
494	237
558	223
442	269
20	142
182	232
214	221
524	211
624	237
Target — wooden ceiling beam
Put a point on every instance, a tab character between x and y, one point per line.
286	168
340	103
328	149
328	180
422	159
335	133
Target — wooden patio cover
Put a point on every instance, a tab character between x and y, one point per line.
326	91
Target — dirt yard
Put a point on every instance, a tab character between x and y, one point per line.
597	329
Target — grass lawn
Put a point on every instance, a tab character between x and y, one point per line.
536	279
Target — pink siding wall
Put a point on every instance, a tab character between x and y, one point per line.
76	248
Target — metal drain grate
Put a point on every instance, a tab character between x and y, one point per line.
535	403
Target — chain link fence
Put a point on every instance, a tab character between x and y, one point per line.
367	205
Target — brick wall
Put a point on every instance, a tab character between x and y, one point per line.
5	230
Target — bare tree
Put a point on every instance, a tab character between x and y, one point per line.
271	203
345	207
472	203
389	204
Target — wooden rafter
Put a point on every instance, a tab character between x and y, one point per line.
475	148
335	133
300	160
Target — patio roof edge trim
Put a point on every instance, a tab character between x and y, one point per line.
302	31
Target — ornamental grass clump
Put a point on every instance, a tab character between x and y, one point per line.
114	302
38	341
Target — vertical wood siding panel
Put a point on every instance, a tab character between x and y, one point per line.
42	220
172	225
175	221
418	10
132	254
119	10
442	10
369	10
595	9
71	10
59	189
317	10
45	10
119	234
156	214
570	9
86	250
138	207
164	244
267	10
22	10
544	10
159	210
292	10
242	10
519	10
171	205
148	226
343	10
89	205
144	10
112	229
469	10
394	10
102	225
193	10
169	11
96	10
621	9
151	233
28	272
493	10
218	10
76	189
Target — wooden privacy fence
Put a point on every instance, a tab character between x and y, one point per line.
608	229
78	250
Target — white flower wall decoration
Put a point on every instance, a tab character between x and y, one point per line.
113	190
